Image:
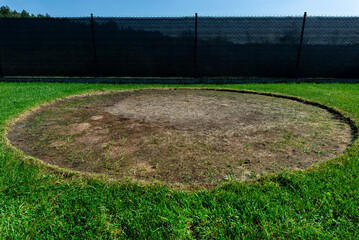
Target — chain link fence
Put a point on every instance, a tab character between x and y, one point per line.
181	47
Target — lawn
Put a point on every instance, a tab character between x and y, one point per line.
38	203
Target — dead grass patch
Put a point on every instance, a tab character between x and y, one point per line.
181	136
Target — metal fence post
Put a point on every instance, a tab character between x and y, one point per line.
1	73
195	45
300	46
1	70
94	46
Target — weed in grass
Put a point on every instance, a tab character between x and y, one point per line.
288	136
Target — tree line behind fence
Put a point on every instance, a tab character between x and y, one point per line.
180	47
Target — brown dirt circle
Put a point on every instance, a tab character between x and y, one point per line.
181	136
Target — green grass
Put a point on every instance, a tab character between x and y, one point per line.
35	203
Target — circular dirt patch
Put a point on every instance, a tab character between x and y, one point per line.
181	136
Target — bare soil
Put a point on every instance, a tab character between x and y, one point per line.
181	136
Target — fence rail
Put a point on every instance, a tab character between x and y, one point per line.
325	47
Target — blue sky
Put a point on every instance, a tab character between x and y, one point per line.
185	7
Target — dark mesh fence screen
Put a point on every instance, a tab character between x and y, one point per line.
46	47
168	47
145	47
262	47
331	47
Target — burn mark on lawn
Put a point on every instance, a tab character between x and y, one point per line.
181	136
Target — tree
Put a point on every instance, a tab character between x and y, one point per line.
25	14
6	12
